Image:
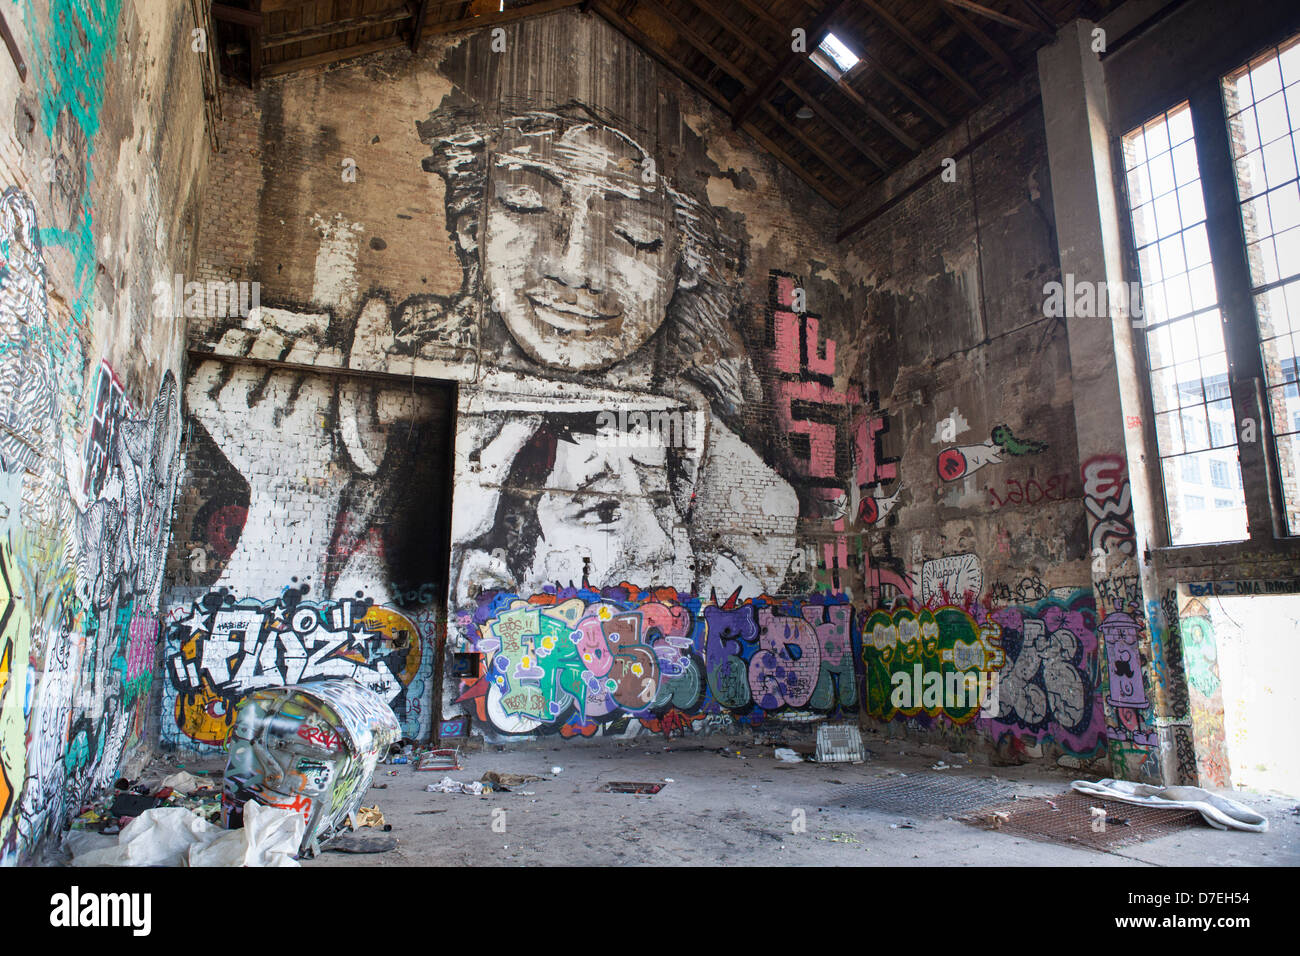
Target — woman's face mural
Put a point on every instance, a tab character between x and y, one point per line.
581	244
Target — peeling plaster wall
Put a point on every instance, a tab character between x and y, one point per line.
102	158
974	380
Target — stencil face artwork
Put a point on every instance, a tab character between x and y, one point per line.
613	504
581	245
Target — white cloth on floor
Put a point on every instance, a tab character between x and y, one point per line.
174	836
1219	812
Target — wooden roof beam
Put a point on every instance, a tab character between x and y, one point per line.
335	27
333	56
417	29
758	11
972	30
815	33
738	32
877	115
636	35
993	15
1035	9
926	53
833	164
494	19
806	96
719	58
834	122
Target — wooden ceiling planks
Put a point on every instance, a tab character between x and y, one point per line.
924	65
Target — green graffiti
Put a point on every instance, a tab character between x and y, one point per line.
68	66
1200	655
1004	439
927	661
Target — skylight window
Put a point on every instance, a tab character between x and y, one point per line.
840	55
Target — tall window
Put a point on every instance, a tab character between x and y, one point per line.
1188	365
1262	102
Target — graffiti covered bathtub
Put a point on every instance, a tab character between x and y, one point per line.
311	748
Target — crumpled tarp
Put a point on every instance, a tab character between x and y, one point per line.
183	782
1219	812
174	836
448	785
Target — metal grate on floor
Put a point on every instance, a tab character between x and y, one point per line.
918	794
632	787
1067	819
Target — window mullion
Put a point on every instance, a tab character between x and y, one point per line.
1265	512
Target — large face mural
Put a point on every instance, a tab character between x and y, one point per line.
602	430
581	244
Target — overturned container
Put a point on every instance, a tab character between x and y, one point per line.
311	748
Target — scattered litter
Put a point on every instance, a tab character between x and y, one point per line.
132	804
369	817
669	780
448	785
905	825
418	812
646	788
503	781
787	755
1053	805
1219	812
391	773
557	770
941	766
840	838
379	786
183	781
998	817
174	836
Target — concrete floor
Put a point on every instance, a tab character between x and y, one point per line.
722	809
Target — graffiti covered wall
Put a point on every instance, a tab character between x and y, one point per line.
709	468
90	422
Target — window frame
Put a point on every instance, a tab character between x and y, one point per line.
1257	461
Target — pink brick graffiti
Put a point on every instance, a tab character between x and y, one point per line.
814	357
143	634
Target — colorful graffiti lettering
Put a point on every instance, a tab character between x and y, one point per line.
310	748
222	648
572	660
942	645
1049	689
1109	506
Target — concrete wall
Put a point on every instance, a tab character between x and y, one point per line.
102	157
955	252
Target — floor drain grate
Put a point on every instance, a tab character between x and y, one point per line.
632	787
1068	819
918	794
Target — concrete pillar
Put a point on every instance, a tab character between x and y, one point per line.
1120	494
